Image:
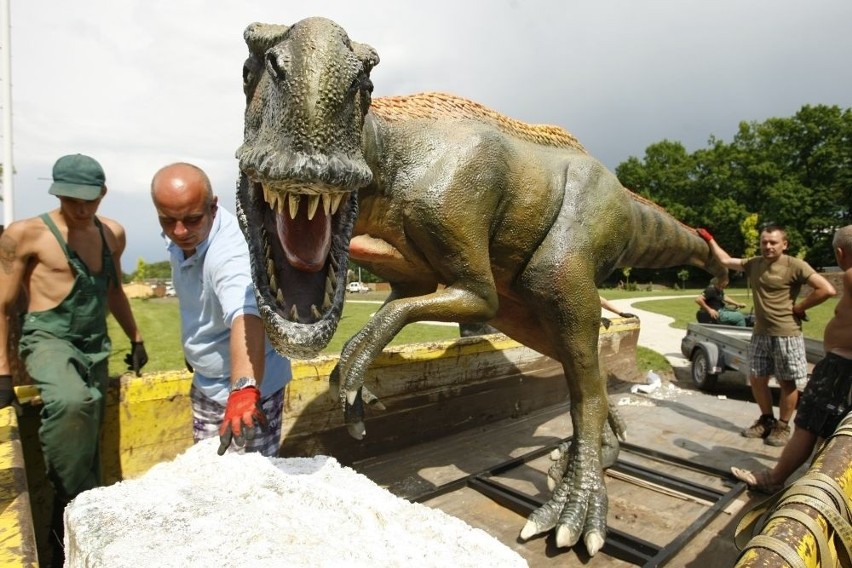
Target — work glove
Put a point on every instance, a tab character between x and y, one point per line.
704	234
8	396
243	415
605	322
137	357
628	315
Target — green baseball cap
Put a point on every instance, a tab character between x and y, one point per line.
77	176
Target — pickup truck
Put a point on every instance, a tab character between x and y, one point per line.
714	348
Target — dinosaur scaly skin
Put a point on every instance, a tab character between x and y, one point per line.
517	222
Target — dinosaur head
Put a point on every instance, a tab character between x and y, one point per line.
307	90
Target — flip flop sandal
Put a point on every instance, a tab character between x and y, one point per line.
757	481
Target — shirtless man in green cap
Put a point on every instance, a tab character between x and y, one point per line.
67	261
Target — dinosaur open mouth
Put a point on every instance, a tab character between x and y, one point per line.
298	223
298	239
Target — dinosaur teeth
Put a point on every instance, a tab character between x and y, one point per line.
275	200
335	202
270	273
332	275
326	203
294	313
326	302
313	204
315	312
279	297
293	203
329	287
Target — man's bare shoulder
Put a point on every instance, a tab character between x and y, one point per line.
847	284
25	236
112	224
114	233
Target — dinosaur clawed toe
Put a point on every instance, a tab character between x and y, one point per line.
577	507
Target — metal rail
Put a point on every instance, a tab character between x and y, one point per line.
618	544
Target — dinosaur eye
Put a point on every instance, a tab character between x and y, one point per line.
275	67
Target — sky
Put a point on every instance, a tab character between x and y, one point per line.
139	84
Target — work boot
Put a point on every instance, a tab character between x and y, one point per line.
761	427
779	435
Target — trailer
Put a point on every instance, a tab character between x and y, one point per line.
713	349
468	429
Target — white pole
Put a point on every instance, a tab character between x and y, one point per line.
8	167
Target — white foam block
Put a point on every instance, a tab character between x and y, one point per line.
247	510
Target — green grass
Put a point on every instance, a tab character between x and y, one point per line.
159	321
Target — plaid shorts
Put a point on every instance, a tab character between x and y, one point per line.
783	357
207	415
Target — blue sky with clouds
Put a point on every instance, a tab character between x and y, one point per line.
141	83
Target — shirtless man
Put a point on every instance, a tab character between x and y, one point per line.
67	262
828	396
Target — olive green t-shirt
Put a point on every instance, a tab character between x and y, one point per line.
775	287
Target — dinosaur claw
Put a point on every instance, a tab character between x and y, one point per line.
357	430
594	541
353	415
350	396
371	399
565	537
530	530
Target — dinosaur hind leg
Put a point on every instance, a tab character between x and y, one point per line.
578	505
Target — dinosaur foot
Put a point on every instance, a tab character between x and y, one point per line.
576	509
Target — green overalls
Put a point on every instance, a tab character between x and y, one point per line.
66	352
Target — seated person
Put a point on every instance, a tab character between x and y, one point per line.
713	302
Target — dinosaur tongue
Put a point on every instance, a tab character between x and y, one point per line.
305	243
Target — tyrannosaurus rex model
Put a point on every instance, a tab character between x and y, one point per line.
517	222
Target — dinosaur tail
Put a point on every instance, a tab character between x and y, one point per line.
661	241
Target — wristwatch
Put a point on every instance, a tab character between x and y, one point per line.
243	382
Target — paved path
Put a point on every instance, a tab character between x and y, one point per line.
655	331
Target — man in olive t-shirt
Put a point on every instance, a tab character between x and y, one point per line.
777	346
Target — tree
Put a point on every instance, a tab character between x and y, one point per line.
748	228
796	172
141	274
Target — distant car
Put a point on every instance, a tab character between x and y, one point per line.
170	291
357	287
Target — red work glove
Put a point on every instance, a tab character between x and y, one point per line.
704	234
243	415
